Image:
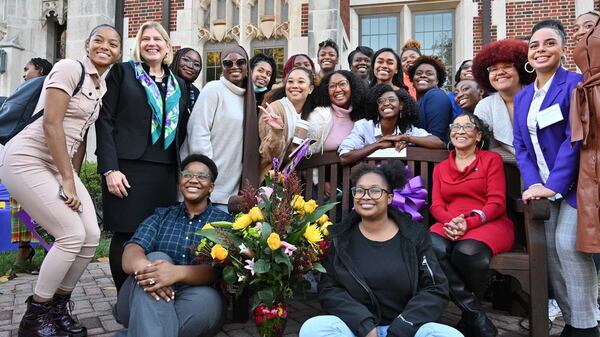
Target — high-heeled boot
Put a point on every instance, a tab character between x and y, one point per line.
474	322
62	305
38	321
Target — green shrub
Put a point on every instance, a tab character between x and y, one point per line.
93	183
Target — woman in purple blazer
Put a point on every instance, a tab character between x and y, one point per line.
549	166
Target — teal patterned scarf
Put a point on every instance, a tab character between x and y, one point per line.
156	104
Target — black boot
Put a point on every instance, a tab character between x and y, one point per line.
474	322
62	305
38	321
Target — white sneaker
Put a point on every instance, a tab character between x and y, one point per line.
553	310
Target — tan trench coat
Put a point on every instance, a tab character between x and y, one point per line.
585	127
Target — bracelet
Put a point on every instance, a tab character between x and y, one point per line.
107	173
481	215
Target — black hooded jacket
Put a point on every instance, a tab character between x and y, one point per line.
344	292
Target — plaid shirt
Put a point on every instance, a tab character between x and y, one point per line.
171	231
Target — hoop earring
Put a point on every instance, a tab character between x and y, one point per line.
527	70
482	144
448	146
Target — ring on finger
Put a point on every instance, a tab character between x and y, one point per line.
152	282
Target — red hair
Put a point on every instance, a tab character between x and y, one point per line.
509	51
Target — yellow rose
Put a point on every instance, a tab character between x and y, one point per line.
208	226
323	219
310	206
218	253
274	241
242	222
313	234
298	203
324	229
256	214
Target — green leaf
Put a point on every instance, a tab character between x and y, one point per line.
222	224
265	231
229	275
210	234
261	266
314	216
319	267
283	259
266	296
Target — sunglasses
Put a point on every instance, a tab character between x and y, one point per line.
238	62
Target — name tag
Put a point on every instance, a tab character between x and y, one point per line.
549	116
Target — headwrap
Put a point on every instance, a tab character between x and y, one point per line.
250	156
289	65
156	103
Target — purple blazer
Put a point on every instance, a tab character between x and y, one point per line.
561	157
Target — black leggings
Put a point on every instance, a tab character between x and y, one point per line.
469	258
115	256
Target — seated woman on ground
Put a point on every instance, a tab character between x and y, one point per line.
389	123
469	204
404	296
283	123
340	97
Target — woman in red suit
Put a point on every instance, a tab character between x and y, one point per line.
469	203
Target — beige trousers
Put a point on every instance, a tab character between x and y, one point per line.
35	184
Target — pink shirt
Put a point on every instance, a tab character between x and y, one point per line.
341	128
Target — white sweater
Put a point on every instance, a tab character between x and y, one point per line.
216	130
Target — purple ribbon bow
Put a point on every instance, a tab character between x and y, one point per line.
411	198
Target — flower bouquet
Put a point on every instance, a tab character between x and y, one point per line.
267	251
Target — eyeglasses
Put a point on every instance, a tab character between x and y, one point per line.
495	69
195	65
468	127
238	62
374	193
343	84
188	175
383	100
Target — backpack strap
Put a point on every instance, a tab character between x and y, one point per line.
78	87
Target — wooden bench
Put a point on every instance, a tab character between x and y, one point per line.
526	262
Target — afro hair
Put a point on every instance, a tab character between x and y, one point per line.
509	51
434	61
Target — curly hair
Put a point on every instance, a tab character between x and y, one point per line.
268	59
394	174
408	115
279	93
486	134
398	79
368	52
503	51
358	89
436	62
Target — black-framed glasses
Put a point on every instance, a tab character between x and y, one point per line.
374	193
343	84
238	62
383	100
188	175
194	64
468	127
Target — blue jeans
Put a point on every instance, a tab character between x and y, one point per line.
333	326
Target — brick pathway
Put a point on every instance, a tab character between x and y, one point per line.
95	294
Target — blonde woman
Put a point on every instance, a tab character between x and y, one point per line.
140	129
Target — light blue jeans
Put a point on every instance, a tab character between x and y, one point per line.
333	326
